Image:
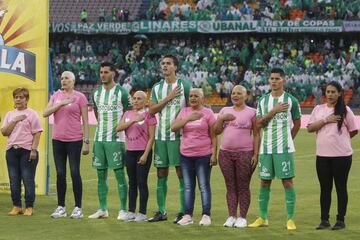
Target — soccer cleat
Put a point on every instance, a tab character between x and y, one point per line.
158	217
338	225
130	216
205	221
15	211
324	224
230	221
28	211
259	222
140	217
77	213
59	212
240	223
178	218
185	220
99	214
290	225
122	215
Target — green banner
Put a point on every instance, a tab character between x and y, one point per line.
197	26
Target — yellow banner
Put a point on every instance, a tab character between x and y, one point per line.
24	63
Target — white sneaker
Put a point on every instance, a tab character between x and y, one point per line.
240	222
230	221
140	217
100	214
130	216
205	220
59	212
122	215
186	220
77	213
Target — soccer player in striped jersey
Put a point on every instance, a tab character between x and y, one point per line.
110	102
167	98
277	111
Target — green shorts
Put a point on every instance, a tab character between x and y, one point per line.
276	165
108	155
167	153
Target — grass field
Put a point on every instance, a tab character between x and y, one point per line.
41	226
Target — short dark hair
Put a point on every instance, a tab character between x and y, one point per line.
278	70
108	64
174	58
22	90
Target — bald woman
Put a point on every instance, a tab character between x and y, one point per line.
238	154
139	127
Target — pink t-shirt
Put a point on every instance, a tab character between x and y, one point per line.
22	134
237	133
67	119
329	141
195	140
137	134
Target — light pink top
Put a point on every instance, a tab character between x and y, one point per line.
23	133
195	140
329	141
67	119
137	135
237	133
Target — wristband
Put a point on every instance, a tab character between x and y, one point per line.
86	141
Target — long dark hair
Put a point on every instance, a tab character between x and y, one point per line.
340	106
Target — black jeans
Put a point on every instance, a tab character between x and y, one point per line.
138	175
61	151
20	168
335	169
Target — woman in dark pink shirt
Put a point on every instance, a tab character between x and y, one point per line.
139	126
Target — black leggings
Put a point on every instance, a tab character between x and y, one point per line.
331	169
138	175
63	150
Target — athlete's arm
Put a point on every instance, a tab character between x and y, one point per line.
256	145
157	107
296	127
264	121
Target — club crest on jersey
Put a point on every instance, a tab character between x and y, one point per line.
13	58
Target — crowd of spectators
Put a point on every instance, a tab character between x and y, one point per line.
215	63
253	10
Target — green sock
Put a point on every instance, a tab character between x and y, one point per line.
181	192
102	188
290	198
161	191
264	197
122	187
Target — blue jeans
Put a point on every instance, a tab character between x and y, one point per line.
20	168
192	168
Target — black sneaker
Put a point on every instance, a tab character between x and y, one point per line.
158	217
338	225
178	218
324	224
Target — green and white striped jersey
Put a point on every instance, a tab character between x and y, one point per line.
169	113
110	105
276	136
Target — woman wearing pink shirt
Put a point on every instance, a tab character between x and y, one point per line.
334	124
23	129
69	139
198	154
238	154
139	126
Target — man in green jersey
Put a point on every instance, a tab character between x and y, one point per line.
110	102
167	98
277	111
